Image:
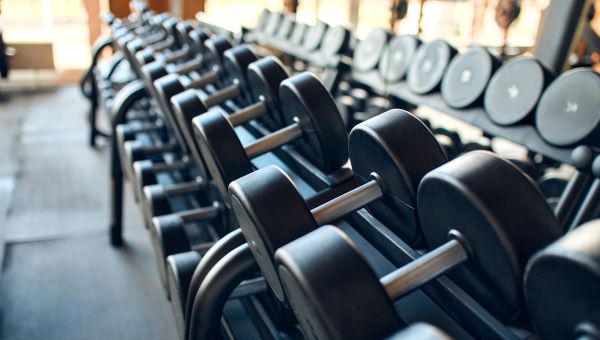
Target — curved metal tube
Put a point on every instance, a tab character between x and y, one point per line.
218	250
225	276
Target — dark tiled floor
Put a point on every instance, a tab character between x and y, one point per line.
60	278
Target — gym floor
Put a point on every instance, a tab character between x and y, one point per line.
59	277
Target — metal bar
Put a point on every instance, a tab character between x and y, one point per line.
188	66
205	79
571	198
199	214
249	287
222	95
185	187
274	140
348	202
248	113
590	207
424	269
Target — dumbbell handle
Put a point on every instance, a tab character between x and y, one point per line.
176	55
203	213
345	203
161	46
274	140
185	187
188	66
222	95
248	113
424	269
206	78
165	167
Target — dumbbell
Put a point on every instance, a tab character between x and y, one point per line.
369	51
397	57
567	112
515	89
561	286
311	121
210	61
429	66
385	162
187	47
467	77
264	77
233	70
480	234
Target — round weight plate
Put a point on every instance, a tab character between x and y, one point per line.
503	218
397	57
267	220
186	106
335	41
306	100
221	149
198	36
166	88
429	65
368	52
235	64
273	24
514	91
561	284
263	19
314	36
287	27
297	38
467	77
153	71
568	110
183	30
215	48
332	289
264	78
385	145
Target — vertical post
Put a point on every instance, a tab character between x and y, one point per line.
560	28
353	15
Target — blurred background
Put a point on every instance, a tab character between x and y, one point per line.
48	41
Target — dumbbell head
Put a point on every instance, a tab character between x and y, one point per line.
429	65
271	211
314	36
308	110
298	34
515	89
273	25
397	57
481	236
567	113
369	51
215	51
500	213
168	237
561	286
197	38
336	41
467	77
286	29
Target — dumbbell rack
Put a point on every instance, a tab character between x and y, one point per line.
441	302
525	135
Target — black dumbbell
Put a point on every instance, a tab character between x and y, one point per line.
384	160
429	66
369	51
262	79
480	234
397	57
567	112
233	70
562	286
467	77
168	232
312	124
515	89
